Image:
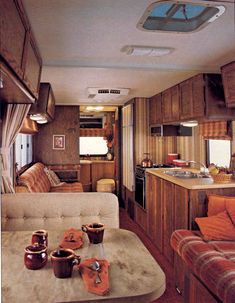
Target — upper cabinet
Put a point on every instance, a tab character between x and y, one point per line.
170	104
228	75
45	105
155	112
18	50
192	99
198	98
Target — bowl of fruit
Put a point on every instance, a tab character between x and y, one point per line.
220	174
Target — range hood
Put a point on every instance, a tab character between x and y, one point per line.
43	110
170	131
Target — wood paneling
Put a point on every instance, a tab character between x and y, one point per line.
66	123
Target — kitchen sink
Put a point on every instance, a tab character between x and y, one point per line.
184	174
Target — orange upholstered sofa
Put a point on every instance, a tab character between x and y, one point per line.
36	179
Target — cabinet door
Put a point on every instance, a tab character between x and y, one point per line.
198	92
168	221
180	222
175	103
154	210
228	75
13	35
155	109
166	106
186	100
32	70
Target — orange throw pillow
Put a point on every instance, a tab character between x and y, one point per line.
217	204
219	227
230	206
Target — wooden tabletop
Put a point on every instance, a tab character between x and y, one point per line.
134	275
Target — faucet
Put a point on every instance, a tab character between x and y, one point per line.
203	168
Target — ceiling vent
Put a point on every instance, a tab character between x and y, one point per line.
103	94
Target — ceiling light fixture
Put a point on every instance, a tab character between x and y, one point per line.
189	123
151	51
42	121
97	108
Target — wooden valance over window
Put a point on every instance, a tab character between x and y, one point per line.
217	130
92	132
29	127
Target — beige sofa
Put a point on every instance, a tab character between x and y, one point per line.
23	211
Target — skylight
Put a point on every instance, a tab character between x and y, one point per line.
173	16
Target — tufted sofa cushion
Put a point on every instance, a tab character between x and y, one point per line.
23	211
212	262
35	179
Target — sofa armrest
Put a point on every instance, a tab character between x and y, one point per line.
212	262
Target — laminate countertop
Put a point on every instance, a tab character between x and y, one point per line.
95	161
191	183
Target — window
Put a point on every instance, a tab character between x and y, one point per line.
93	146
173	16
219	152
23	150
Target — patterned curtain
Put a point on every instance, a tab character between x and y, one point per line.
217	130
11	125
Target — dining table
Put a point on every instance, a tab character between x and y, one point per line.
134	275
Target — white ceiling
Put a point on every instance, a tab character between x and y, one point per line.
80	42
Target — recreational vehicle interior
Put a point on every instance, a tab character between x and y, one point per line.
117	122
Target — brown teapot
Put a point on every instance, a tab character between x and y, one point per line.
146	162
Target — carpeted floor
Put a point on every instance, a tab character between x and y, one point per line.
170	295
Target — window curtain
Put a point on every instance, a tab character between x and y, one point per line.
217	130
11	125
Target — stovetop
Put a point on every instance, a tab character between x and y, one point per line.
156	166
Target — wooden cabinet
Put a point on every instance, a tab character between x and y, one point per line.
192	99
198	98
170	104
18	49
45	104
140	217
228	75
155	110
85	176
154	210
32	71
101	170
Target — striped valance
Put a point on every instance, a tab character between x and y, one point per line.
92	132
217	130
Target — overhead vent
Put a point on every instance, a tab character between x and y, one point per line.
107	93
179	16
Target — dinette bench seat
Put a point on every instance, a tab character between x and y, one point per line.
58	211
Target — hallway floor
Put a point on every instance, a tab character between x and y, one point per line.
170	295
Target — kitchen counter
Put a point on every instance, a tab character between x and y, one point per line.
192	183
95	161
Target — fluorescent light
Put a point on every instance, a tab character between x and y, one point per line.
150	51
42	121
189	123
94	108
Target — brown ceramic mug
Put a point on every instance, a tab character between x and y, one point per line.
95	232
63	261
40	236
35	256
